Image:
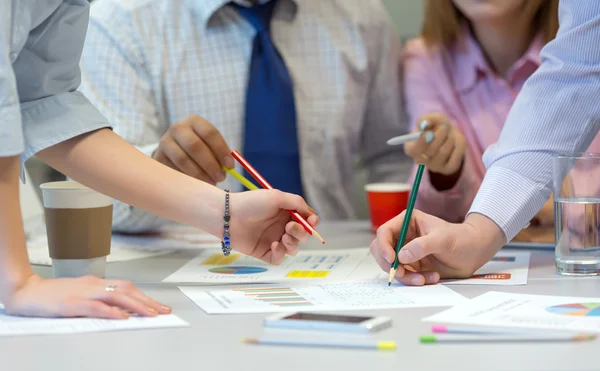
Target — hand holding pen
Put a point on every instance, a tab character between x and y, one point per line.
436	143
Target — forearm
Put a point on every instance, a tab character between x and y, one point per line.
14	264
124	173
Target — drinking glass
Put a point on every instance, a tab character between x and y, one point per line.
577	214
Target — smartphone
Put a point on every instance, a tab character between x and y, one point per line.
328	322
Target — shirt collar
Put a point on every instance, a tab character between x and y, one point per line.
470	63
206	9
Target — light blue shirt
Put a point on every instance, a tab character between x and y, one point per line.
40	48
557	111
148	64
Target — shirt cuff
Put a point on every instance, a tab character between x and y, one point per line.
55	119
12	142
509	200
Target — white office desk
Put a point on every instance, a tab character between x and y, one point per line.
212	342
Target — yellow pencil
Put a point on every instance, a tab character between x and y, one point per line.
240	178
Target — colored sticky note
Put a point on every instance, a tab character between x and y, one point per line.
218	259
307	274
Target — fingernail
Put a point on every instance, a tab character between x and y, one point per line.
165	308
389	258
415	281
228	162
402	255
152	310
312	210
424	124
429	137
220	176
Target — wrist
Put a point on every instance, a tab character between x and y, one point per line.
443	182
487	232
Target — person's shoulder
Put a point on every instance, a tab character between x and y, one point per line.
419	48
371	12
109	9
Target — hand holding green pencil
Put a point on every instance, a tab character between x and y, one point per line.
406	223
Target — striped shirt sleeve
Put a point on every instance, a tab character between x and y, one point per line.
557	111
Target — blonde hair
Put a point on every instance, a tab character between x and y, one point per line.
442	24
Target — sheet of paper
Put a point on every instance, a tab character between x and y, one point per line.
18	326
325	297
527	311
314	265
506	268
122	249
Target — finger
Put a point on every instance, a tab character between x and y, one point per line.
195	147
379	259
297	231
419	278
130	289
126	302
288	201
313	220
440	160
275	255
94	309
291	244
457	156
214	140
180	159
422	247
436	139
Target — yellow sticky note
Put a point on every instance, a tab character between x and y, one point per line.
307	274
218	259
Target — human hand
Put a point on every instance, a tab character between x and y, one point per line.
261	226
441	148
196	148
80	297
436	249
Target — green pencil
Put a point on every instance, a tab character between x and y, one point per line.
406	223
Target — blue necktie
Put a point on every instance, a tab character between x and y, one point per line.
270	138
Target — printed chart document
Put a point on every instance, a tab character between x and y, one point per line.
505	269
18	326
529	311
211	266
325	297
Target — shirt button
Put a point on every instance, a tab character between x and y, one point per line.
13	56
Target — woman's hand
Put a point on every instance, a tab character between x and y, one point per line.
261	227
441	148
81	297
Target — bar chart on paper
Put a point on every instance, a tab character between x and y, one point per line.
335	296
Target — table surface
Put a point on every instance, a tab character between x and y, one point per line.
212	342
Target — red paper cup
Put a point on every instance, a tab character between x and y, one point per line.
386	200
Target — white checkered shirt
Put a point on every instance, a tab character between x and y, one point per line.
148	64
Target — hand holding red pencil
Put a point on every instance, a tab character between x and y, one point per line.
263	183
260	224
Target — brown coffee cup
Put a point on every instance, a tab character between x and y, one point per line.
78	225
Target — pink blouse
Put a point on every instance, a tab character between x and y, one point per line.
460	84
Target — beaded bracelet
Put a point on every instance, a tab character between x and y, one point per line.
226	243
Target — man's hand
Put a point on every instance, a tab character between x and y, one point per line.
436	249
196	148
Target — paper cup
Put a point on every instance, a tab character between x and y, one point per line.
78	225
386	200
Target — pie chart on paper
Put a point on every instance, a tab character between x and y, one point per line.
576	309
238	270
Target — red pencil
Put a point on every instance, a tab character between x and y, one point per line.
263	183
